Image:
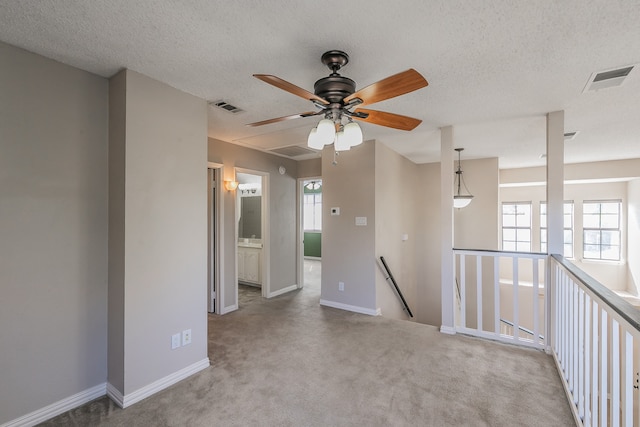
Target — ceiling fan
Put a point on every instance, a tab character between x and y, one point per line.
337	99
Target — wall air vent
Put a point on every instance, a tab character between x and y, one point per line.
226	106
293	151
570	135
607	79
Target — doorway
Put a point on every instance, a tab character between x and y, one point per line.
311	233
252	232
214	236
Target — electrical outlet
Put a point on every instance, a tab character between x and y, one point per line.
341	286
175	341
186	337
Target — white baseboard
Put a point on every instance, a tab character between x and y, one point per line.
354	308
229	309
58	407
449	330
156	386
282	291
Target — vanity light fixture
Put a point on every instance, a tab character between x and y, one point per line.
230	185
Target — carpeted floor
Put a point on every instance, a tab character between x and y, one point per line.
289	362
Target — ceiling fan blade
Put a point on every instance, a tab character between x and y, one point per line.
289	87
392	86
389	120
282	119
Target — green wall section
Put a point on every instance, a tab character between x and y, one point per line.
312	244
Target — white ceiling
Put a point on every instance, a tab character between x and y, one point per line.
494	67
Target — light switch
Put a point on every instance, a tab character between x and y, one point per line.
361	220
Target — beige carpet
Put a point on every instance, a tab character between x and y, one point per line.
289	362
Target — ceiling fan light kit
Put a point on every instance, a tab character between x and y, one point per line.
338	101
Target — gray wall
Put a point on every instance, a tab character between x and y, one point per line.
397	200
310	168
53	231
428	252
163	179
349	185
282	213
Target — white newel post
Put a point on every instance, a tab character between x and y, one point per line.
446	231
555	205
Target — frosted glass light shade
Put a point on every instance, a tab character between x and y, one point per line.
341	143
353	134
461	201
326	131
314	140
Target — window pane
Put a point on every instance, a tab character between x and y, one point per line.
543	247
523	247
610	252
568	251
508	209
524	216
543	221
591	208
568	236
508	246
610	238
591	237
610	221
543	208
568	209
610	208
543	236
509	221
592	251
568	221
509	234
523	235
591	221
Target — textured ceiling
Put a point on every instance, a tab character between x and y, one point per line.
494	67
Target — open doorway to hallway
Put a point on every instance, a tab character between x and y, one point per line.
311	231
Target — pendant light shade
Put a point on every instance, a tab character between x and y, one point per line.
353	134
341	143
460	199
326	132
314	140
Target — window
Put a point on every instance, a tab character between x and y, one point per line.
601	230
568	228
312	209
516	227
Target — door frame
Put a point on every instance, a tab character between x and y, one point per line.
215	276
301	226
265	268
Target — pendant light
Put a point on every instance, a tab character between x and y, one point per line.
461	200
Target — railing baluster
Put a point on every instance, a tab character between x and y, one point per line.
463	293
496	294
594	365
604	367
536	297
627	378
479	292
615	373
580	354
574	336
516	313
587	360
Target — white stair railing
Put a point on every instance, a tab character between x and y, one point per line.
595	345
502	286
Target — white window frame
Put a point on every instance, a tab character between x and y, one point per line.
517	228
601	229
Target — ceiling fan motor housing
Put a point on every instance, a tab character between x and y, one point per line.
334	88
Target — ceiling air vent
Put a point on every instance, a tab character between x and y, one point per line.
293	151
570	135
226	106
606	79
